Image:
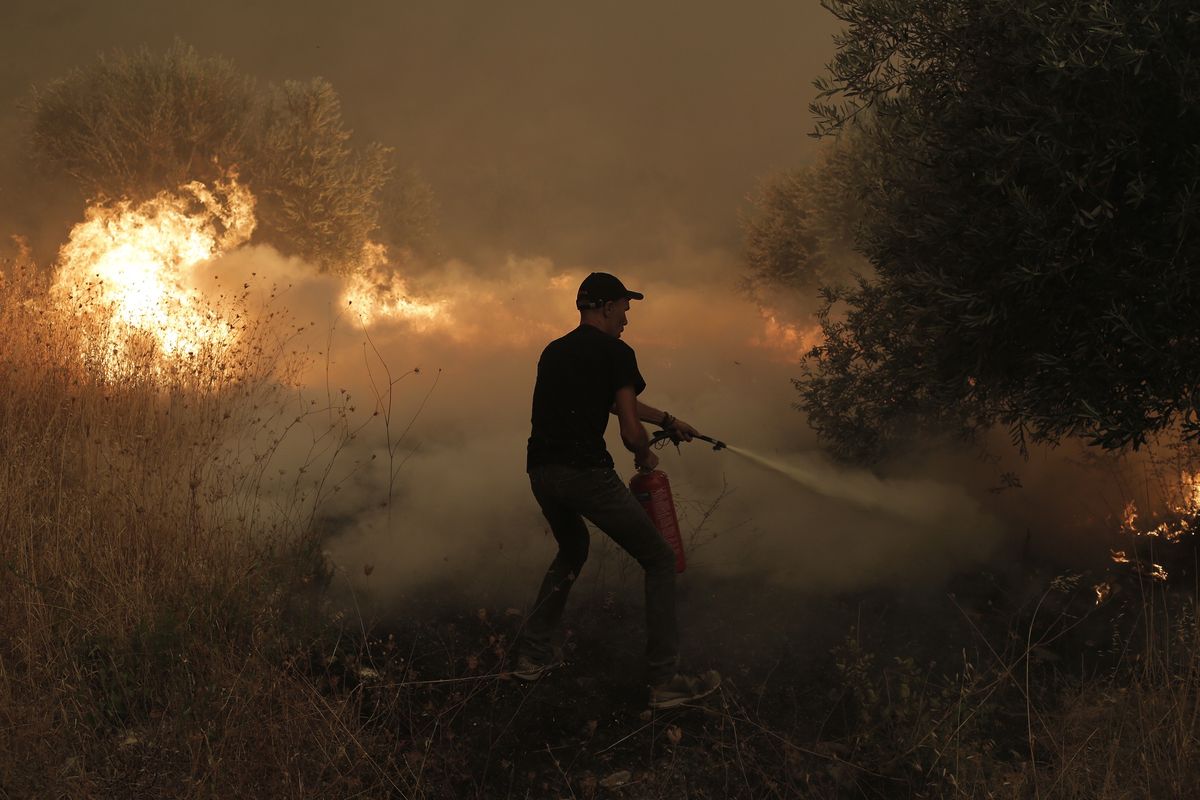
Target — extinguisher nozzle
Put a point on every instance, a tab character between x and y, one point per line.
717	445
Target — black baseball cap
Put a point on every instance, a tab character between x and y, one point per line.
600	288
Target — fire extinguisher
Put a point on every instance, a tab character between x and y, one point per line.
653	491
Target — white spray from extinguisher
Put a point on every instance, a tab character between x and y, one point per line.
920	501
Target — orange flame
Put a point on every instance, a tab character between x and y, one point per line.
1182	507
1190	493
137	264
374	295
1129	517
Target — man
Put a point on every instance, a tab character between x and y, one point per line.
582	378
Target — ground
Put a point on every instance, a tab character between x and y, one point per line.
786	722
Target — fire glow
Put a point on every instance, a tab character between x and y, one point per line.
139	269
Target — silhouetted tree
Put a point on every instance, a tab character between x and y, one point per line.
132	124
1029	182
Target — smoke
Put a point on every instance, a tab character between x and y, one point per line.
921	502
432	486
439	494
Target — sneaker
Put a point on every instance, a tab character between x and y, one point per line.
531	669
683	688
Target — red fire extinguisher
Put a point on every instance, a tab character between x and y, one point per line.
653	491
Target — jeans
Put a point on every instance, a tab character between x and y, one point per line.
568	495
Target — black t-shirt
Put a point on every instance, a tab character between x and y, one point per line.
577	381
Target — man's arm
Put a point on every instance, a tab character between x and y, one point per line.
633	433
648	413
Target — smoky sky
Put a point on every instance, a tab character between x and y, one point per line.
585	133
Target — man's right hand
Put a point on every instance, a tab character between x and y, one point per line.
646	459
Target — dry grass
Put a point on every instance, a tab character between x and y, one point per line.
1134	732
151	592
1015	718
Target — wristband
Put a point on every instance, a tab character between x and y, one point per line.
667	420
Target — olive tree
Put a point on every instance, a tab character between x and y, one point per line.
1028	183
